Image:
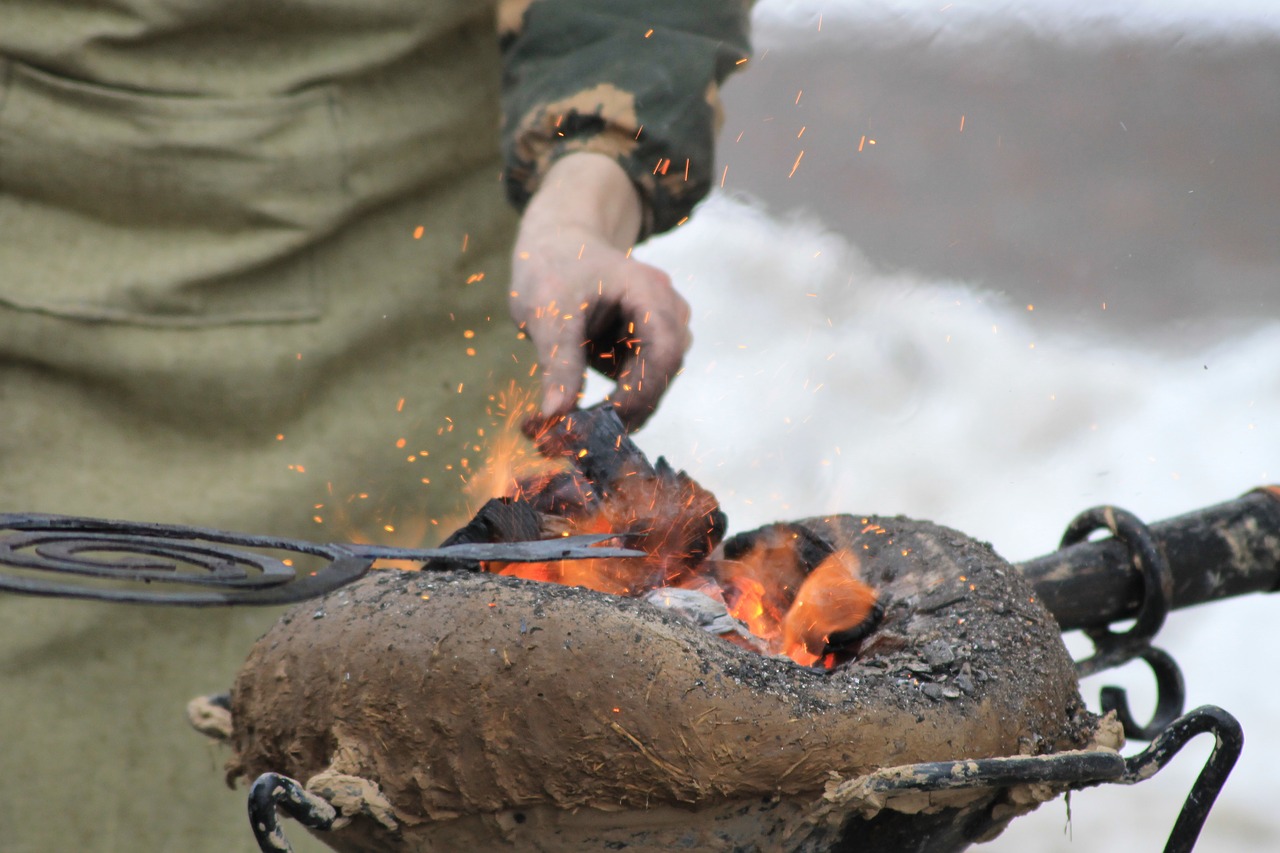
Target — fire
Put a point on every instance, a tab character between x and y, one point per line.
795	592
792	591
832	600
666	515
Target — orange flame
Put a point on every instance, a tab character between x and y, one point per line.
670	521
831	600
793	611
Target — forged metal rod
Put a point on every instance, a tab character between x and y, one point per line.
271	791
68	557
1229	549
1228	741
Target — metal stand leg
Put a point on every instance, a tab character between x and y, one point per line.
270	792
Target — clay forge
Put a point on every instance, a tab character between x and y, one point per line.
776	690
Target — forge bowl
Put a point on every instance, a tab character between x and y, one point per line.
484	712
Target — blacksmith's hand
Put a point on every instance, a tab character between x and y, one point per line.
584	301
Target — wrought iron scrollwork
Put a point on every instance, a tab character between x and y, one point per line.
1171	694
147	563
1112	648
1169	729
74	557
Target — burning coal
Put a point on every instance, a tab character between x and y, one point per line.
784	589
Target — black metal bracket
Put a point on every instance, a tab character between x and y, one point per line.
270	792
1228	742
1169	729
1111	648
1078	770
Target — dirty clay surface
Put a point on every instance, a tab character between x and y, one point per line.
463	695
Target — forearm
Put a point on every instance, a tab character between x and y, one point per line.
588	191
635	82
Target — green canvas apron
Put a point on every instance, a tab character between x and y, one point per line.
252	269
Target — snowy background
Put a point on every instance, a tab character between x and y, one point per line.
1065	298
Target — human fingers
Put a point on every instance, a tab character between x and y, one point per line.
648	347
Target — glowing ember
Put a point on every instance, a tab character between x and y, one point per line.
831	602
793	591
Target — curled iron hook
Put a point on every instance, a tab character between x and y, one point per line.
1157	584
1113	648
1171	692
271	791
1228	742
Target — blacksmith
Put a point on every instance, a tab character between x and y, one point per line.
257	272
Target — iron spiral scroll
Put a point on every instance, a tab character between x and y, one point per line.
148	563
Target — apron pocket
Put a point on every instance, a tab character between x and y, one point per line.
118	205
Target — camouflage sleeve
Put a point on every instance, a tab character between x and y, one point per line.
639	82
